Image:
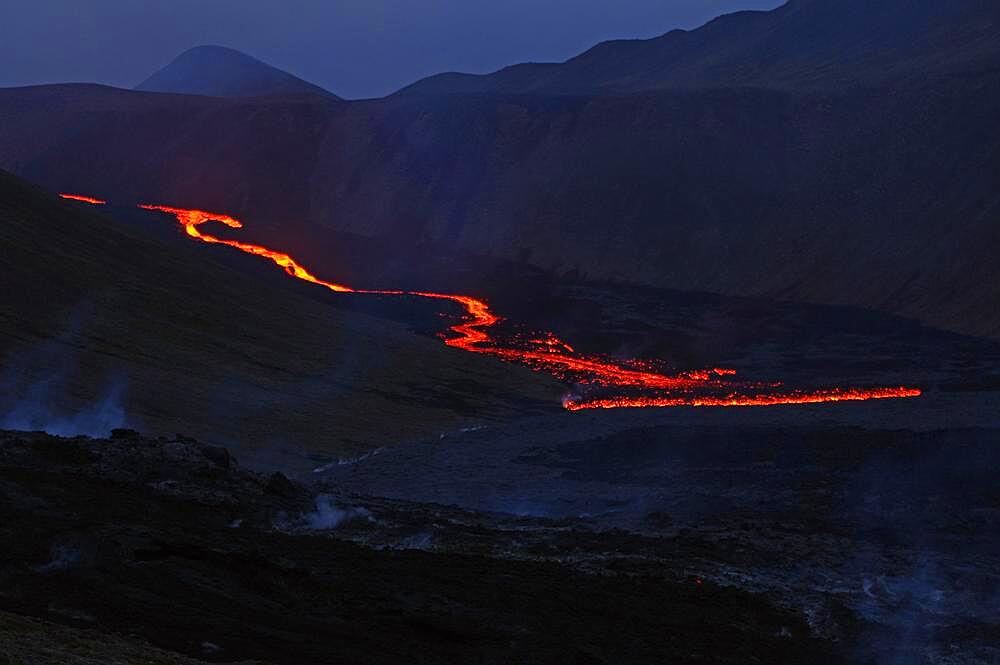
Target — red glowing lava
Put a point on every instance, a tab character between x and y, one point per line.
735	399
192	219
85	199
639	385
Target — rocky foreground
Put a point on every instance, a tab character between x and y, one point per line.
133	549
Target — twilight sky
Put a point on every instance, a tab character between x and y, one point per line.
355	48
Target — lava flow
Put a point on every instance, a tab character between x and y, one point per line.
633	383
84	199
735	399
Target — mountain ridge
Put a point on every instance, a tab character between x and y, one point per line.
797	46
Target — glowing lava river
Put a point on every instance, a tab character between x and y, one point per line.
602	383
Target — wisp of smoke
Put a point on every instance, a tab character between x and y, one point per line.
36	411
328	515
35	388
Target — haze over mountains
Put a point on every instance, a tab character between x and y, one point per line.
825	151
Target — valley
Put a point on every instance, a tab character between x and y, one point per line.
685	349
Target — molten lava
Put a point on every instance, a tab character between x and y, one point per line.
634	382
736	399
192	219
84	199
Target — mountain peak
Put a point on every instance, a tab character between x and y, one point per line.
219	71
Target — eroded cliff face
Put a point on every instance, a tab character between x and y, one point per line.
881	198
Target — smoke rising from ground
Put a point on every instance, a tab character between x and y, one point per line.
37	389
329	515
37	411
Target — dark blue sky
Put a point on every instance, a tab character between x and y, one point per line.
356	48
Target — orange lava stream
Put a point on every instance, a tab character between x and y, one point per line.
192	219
814	397
552	355
84	199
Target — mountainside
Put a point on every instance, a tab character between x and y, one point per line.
803	45
883	196
217	71
884	201
107	324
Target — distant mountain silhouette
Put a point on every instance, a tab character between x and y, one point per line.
804	44
217	71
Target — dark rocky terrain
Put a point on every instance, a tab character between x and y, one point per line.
218	71
756	539
166	542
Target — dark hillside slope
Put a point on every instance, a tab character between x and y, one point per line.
880	198
199	341
218	71
802	45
